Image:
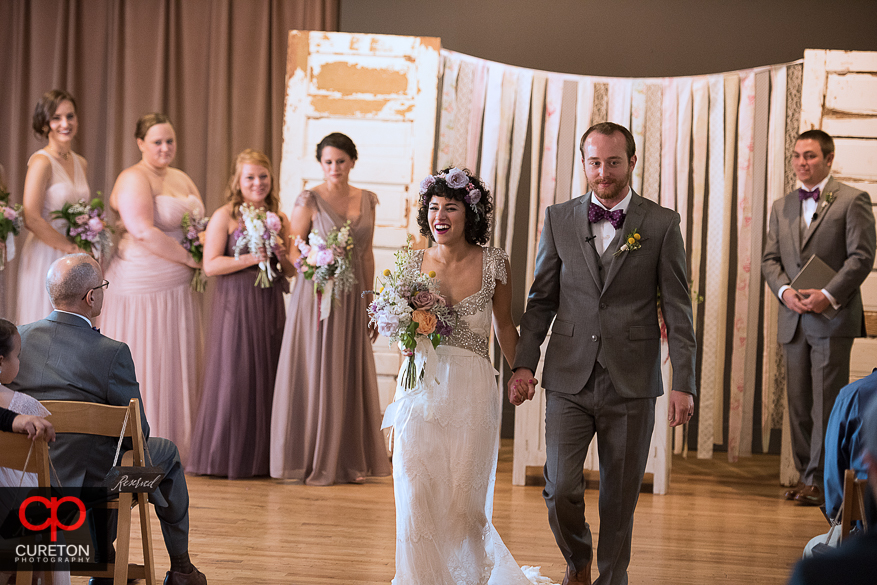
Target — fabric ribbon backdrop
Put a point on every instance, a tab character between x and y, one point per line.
716	148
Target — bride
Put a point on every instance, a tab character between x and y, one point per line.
447	438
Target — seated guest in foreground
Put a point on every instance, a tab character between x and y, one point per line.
62	358
844	437
26	407
855	561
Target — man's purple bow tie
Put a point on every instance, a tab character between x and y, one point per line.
597	213
805	194
96	329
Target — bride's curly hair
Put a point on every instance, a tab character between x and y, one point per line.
461	185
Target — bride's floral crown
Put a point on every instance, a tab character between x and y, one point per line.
454	179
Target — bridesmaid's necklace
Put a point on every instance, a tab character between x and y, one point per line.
63	155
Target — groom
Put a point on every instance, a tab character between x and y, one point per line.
603	259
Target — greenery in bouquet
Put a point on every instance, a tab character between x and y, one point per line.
194	233
87	226
409	307
11	222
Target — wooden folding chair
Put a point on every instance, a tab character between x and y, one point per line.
17	451
853	507
105	420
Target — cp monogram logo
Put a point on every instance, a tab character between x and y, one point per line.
52	505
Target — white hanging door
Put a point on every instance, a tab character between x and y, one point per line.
381	91
839	95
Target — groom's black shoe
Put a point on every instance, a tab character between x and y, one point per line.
582	577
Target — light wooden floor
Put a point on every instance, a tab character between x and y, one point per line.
720	523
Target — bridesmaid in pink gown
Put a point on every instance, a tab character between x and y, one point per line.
55	175
233	432
149	304
325	422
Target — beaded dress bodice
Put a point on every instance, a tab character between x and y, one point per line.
472	327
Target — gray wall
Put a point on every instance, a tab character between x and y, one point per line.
626	38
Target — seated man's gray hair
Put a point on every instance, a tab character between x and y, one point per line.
68	287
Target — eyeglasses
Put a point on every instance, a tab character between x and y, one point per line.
104	284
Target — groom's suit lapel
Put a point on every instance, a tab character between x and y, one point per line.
632	221
586	238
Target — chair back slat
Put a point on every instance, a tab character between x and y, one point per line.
87	418
853	507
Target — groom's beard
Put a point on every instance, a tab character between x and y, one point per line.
609	190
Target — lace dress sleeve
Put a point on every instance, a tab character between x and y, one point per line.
24	404
497	264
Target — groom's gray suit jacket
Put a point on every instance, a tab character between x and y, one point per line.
609	307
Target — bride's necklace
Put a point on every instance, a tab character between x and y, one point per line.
63	155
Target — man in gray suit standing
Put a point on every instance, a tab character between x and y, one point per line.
833	221
63	358
602	260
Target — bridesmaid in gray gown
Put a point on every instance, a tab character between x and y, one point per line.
325	422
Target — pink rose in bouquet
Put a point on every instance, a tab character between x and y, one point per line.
424	300
272	222
96	224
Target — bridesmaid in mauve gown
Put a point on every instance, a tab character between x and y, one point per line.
326	417
55	175
149	304
233	430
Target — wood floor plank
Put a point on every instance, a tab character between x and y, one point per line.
720	523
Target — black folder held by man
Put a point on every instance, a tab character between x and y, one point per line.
815	274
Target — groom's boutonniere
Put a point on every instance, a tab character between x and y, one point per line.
631	242
828	200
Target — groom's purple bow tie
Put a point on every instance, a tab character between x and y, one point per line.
96	329
597	213
805	194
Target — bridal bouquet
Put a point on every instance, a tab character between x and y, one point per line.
410	311
193	241
86	226
258	233
328	262
11	222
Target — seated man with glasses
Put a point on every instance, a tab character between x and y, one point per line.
62	358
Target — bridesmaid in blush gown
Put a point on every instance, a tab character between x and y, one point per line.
55	175
325	419
233	429
149	304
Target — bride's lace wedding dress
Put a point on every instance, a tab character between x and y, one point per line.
444	460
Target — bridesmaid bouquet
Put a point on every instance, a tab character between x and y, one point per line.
193	241
258	232
11	222
328	263
87	226
409	310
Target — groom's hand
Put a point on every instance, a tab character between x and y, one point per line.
681	408
522	386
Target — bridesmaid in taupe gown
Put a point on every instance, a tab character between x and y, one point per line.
326	417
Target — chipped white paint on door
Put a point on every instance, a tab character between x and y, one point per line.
381	91
839	96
